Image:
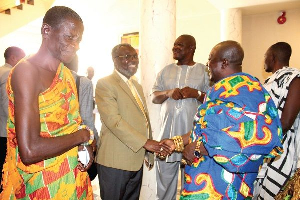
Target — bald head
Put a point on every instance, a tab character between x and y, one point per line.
90	72
13	55
190	40
231	51
225	59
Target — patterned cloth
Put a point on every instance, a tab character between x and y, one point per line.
239	126
53	178
274	175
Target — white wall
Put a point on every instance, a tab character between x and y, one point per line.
201	20
261	31
105	23
28	41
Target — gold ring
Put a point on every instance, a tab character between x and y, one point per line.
161	157
183	161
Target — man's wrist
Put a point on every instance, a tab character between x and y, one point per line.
199	94
91	139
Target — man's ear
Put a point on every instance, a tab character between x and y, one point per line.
193	47
45	30
225	63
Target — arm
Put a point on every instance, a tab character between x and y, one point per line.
292	106
160	96
27	84
156	147
160	93
188	92
189	148
203	86
169	143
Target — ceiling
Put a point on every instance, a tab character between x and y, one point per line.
251	7
126	11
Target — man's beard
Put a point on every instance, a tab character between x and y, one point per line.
126	73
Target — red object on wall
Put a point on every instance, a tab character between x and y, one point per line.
281	19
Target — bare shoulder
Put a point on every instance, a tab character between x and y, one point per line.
294	86
25	68
25	76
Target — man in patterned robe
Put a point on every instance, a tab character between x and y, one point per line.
44	131
235	129
283	87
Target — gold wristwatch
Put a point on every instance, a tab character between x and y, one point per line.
197	152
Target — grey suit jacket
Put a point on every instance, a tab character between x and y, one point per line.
4	72
86	102
124	127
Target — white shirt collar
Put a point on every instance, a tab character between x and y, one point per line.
124	78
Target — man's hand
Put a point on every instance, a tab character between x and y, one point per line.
188	92
188	152
174	94
80	166
169	143
156	147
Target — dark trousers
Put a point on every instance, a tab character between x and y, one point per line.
3	141
116	184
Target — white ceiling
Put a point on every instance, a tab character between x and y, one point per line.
250	7
125	12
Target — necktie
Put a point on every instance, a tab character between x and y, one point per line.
149	159
136	96
138	100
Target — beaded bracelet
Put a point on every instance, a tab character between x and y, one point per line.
178	141
91	135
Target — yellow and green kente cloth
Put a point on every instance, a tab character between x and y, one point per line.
53	178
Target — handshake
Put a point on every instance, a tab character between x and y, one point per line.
191	151
165	147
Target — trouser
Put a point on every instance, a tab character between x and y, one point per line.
167	179
116	184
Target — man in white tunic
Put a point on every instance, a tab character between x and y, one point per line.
180	89
283	87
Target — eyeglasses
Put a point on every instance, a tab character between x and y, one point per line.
128	57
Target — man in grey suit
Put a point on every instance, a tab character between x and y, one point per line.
85	94
12	56
125	138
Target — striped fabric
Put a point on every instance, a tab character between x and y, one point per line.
274	175
53	178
